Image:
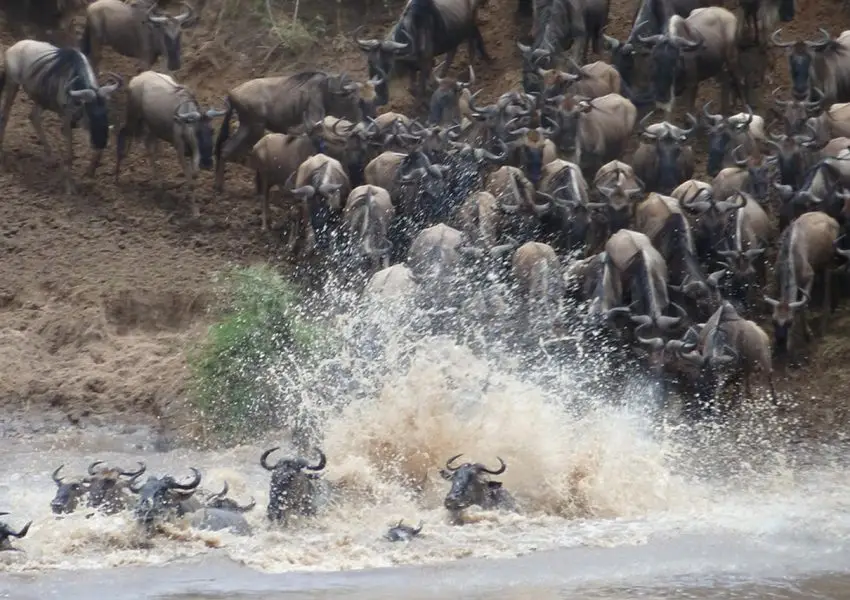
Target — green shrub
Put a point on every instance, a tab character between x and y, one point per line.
235	384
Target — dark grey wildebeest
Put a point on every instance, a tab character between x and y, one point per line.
107	491
691	50
135	31
161	109
6	532
62	81
819	65
425	30
68	492
471	488
291	490
278	104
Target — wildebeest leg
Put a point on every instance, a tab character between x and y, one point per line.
151	147
35	119
263	190
96	157
68	133
11	90
827	301
232	149
477	42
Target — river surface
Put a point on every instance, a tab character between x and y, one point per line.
617	500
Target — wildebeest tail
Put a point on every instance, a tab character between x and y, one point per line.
85	40
224	132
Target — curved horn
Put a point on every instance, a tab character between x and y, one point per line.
451	460
223	491
820	44
741	162
774	38
196	481
264	457
365	45
84	95
498	471
711	117
321	464
91	470
186	14
131	485
773	302
797	304
55	475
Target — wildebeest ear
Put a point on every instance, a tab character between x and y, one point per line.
494	485
445	474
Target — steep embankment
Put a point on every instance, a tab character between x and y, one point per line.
101	291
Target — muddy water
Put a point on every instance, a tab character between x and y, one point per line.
617	499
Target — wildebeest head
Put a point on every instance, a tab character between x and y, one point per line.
667	55
620	194
159	497
740	264
221	501
711	215
794	113
291	488
168	31
105	486
566	118
783	315
380	56
720	133
6	532
669	142
658	353
199	126
363	95
800	60
450	100
68	493
94	103
430	181
623	56
468	486
759	171
792	156
530	145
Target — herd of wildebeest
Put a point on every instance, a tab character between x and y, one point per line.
584	159
296	489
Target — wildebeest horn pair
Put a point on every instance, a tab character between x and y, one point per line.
302	462
663	322
181	18
385	45
192	485
479	466
132	474
792	305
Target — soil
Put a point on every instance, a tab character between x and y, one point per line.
101	290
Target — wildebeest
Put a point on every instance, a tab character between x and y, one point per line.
368	214
820	64
691	50
747	234
832	123
62	81
220	501
278	104
291	490
567	215
592	80
540	285
425	30
68	493
820	190
751	174
593	132
274	159
402	533
633	269
470	488
805	251
621	188
435	256
393	283
133	30
710	215
160	498
663	160
322	184
450	101
561	23
762	15
651	17
6	532
106	489
162	109
724	134
728	342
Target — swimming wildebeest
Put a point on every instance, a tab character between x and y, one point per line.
469	488
62	81
68	493
402	532
291	490
106	489
6	532
161	498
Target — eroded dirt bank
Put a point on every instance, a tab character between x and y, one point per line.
100	292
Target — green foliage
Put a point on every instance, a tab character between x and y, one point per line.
234	385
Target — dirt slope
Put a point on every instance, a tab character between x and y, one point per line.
101	290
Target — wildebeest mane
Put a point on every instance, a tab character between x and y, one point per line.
61	69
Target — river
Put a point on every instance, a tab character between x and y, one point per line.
617	499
